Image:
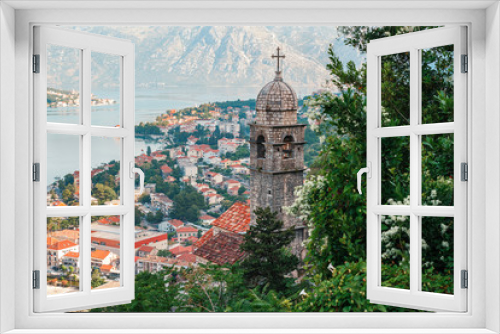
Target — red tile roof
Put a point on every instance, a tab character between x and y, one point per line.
58	203
62	245
145	248
186	229
179	250
206	217
175	222
222	248
52	240
72	254
235	219
165	169
114	219
106	267
204	238
192	239
100	254
191	258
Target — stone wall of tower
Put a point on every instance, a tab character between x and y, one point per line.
277	190
274	141
273	178
288	117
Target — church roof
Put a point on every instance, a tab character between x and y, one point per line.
222	248
277	95
236	219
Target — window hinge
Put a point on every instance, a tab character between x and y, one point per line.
465	64
36	279
465	279
36	172
36	63
464	167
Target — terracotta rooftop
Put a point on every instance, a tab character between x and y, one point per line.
206	217
235	219
100	254
179	250
222	248
145	248
192	239
186	229
52	240
106	267
166	169
204	238
175	222
72	254
191	258
62	245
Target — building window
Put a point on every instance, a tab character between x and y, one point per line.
288	147
261	147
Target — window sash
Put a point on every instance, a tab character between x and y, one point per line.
86	43
413	43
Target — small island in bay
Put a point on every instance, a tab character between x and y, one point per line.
57	98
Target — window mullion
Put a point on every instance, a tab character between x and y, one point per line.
414	171
86	182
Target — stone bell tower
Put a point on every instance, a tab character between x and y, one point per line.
277	154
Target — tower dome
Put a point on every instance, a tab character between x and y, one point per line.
277	95
277	102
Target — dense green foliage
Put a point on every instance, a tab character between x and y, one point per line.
243	151
187	205
329	201
147	130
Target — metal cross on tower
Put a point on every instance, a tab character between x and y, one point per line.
278	56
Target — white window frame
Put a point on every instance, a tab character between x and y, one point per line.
484	46
413	43
86	44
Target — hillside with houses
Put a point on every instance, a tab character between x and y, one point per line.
196	198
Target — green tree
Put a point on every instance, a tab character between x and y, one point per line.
97	280
154	292
241	190
155	218
139	216
103	193
164	253
268	260
145	198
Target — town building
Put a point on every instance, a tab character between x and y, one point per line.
186	232
57	249
161	202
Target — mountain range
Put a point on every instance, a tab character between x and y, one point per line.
224	55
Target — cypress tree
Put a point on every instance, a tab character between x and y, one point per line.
268	260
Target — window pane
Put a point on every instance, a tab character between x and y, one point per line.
437	84
106	88
106	170
63	170
63	84
395	89
395	171
437	169
395	239
105	255
63	255
437	254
